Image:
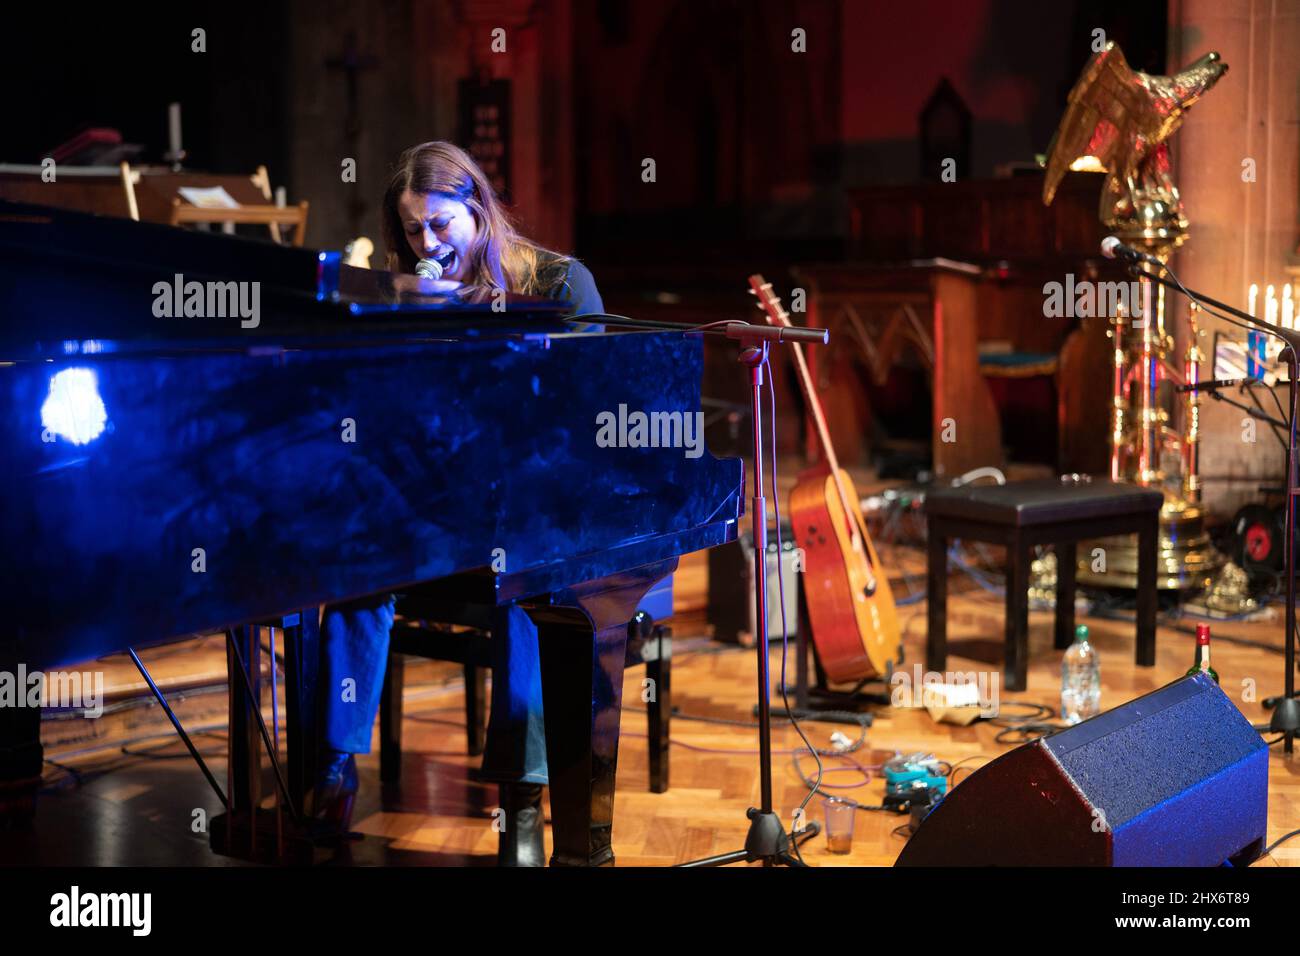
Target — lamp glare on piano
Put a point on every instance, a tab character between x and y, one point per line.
73	410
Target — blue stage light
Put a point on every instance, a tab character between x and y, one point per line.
73	410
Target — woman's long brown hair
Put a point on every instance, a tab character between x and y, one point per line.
500	258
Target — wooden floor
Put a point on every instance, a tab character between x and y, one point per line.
132	807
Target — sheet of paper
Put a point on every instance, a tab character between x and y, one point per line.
213	197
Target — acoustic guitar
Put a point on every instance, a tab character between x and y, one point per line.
850	605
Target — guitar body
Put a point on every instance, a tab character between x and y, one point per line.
855	632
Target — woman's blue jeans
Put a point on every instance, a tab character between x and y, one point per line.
355	639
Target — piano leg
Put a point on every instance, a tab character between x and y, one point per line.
582	641
245	831
244	776
659	669
302	702
390	718
476	708
21	754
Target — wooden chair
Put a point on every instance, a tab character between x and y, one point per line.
149	194
152	195
436	623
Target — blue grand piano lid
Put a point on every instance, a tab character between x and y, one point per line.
163	288
158	484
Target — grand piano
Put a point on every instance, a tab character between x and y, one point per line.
174	465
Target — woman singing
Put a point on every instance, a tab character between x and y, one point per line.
440	206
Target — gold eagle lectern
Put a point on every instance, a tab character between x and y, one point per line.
1119	121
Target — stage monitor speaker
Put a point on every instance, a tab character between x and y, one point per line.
1176	778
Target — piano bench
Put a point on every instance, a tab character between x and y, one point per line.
466	643
1019	516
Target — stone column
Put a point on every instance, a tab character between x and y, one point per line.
1237	164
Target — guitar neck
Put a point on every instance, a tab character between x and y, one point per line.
819	418
824	434
776	315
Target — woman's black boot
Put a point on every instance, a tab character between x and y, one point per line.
521	843
335	791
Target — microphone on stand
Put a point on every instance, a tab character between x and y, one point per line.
1213	385
429	268
778	333
1112	248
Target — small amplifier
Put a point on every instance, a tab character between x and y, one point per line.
731	587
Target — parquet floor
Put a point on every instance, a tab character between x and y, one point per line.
129	809
714	766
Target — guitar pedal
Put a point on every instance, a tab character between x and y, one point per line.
913	779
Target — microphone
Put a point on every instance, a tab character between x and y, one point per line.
777	333
1213	385
429	268
1112	248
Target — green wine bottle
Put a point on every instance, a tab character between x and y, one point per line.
1201	665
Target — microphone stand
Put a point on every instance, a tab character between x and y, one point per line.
1286	713
767	841
1214	390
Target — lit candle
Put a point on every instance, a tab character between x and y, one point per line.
280	196
1251	335
1270	316
1288	308
174	130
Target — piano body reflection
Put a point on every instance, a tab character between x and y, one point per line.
172	474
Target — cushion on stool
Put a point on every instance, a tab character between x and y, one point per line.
1042	501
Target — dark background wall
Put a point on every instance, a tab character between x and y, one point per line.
755	146
752	141
101	68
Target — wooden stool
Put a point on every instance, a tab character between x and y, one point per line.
461	635
1028	513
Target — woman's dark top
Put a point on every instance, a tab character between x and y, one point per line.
577	286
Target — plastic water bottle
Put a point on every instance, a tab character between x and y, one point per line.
1080	679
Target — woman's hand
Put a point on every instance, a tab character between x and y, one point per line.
418	285
438	286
